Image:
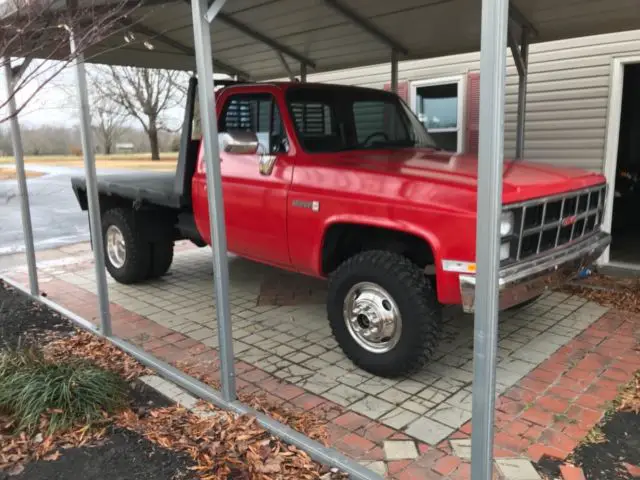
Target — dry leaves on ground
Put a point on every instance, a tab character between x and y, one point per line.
224	445
304	422
629	399
620	293
85	345
17	449
103	354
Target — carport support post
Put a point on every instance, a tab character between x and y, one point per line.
522	93
303	72
492	91
204	64
93	201
23	192
394	70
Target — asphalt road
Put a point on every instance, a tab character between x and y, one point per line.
55	214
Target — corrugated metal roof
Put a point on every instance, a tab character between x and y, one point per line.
318	31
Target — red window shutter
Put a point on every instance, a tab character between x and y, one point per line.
473	112
403	90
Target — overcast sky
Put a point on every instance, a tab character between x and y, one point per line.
53	106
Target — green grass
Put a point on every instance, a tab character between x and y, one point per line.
32	388
564	418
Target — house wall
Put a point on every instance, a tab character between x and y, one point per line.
568	93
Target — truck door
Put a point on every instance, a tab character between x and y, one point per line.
255	201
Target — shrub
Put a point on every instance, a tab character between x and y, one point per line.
65	393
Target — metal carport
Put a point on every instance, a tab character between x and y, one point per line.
261	39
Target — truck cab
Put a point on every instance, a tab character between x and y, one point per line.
345	183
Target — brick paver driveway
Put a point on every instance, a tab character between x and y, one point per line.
283	342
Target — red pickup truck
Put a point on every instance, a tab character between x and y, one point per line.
345	183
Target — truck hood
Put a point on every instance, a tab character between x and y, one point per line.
521	180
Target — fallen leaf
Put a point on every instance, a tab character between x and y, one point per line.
52	457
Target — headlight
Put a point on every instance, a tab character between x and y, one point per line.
506	224
505	251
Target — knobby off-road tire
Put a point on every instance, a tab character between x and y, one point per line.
161	258
134	265
409	293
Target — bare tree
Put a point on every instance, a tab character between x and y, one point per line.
107	117
40	29
145	94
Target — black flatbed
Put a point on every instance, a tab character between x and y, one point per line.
155	188
169	192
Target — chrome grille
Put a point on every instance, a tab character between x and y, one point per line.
547	223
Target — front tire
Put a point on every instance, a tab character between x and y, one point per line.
127	255
383	313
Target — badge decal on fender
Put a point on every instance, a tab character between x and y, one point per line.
314	206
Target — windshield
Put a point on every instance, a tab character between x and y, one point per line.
339	119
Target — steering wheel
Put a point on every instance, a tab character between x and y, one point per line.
374	135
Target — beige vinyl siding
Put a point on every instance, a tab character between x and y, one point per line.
567	93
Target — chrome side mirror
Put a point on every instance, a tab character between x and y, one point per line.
266	163
247	143
240	143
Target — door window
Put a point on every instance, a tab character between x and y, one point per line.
259	114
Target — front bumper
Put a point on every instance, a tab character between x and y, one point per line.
526	280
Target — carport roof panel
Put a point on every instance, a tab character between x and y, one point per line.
316	30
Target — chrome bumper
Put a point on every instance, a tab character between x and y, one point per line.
526	280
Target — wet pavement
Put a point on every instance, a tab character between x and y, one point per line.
55	214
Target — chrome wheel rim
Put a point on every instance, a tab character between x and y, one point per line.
372	317
116	250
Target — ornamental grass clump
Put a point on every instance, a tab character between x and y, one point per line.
35	391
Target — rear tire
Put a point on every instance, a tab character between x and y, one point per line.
384	285
127	255
161	259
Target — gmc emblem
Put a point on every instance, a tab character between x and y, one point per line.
566	222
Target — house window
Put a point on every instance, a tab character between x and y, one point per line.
438	105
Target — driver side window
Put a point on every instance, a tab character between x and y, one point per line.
257	113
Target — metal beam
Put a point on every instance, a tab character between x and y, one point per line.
286	66
517	16
161	37
516	53
394	71
367	26
522	95
214	10
18	71
215	202
303	73
247	30
95	224
23	192
489	207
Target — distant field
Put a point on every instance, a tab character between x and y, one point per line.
10	174
137	161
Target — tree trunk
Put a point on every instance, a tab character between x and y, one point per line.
107	147
153	142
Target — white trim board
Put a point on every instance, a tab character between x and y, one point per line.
612	140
